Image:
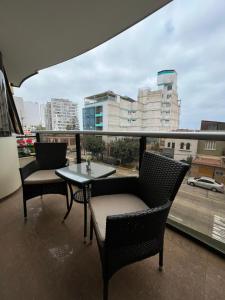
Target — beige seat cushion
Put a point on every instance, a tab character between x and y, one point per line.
43	176
107	205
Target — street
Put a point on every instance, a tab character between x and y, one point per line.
201	210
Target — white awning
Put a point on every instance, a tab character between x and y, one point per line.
37	34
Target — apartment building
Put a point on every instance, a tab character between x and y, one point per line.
61	114
108	111
153	110
212	148
160	109
29	113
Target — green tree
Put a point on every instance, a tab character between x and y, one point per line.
189	160
94	144
40	127
125	149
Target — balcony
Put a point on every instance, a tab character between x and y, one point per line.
45	259
54	263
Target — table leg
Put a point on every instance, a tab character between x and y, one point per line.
85	212
71	202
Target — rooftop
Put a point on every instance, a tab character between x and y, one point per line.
46	259
107	94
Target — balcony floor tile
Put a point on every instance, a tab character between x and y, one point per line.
46	259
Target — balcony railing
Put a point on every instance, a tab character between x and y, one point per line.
197	212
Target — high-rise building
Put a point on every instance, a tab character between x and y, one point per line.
42	114
32	114
29	113
160	109
20	108
61	114
154	110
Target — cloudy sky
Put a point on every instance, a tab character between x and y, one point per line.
188	36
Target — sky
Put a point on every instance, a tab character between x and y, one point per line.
188	36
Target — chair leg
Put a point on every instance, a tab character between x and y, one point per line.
161	260
105	289
91	229
25	208
67	200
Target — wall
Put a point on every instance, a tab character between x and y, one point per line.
219	151
9	166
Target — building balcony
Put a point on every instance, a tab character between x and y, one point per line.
44	258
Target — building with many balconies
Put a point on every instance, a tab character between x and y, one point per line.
61	114
154	110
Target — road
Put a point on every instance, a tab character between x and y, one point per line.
201	210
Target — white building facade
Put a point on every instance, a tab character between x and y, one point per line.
157	110
20	108
160	109
61	114
29	113
180	149
109	111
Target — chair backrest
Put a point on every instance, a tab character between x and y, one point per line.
50	155
160	178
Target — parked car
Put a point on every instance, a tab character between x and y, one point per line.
206	183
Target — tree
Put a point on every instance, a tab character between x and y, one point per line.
189	159
40	127
125	149
94	144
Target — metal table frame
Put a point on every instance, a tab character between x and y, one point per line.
83	181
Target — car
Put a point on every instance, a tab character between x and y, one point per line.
206	183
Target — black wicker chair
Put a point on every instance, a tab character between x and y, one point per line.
39	178
128	214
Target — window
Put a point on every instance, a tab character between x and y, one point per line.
181	145
168	145
188	146
219	173
210	145
168	96
173	145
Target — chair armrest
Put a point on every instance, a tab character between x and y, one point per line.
28	169
136	228
114	185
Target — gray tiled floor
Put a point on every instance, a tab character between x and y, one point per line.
45	259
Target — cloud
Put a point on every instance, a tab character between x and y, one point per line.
185	35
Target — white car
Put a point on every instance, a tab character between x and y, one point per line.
207	183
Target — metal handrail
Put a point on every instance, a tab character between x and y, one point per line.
196	135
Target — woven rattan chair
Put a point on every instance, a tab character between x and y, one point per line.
128	214
39	178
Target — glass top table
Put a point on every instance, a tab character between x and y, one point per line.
78	174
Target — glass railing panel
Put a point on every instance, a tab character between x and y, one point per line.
199	207
197	210
68	138
25	145
120	152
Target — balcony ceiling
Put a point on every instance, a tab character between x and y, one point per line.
37	34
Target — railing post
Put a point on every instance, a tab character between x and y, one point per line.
38	137
142	148
78	148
